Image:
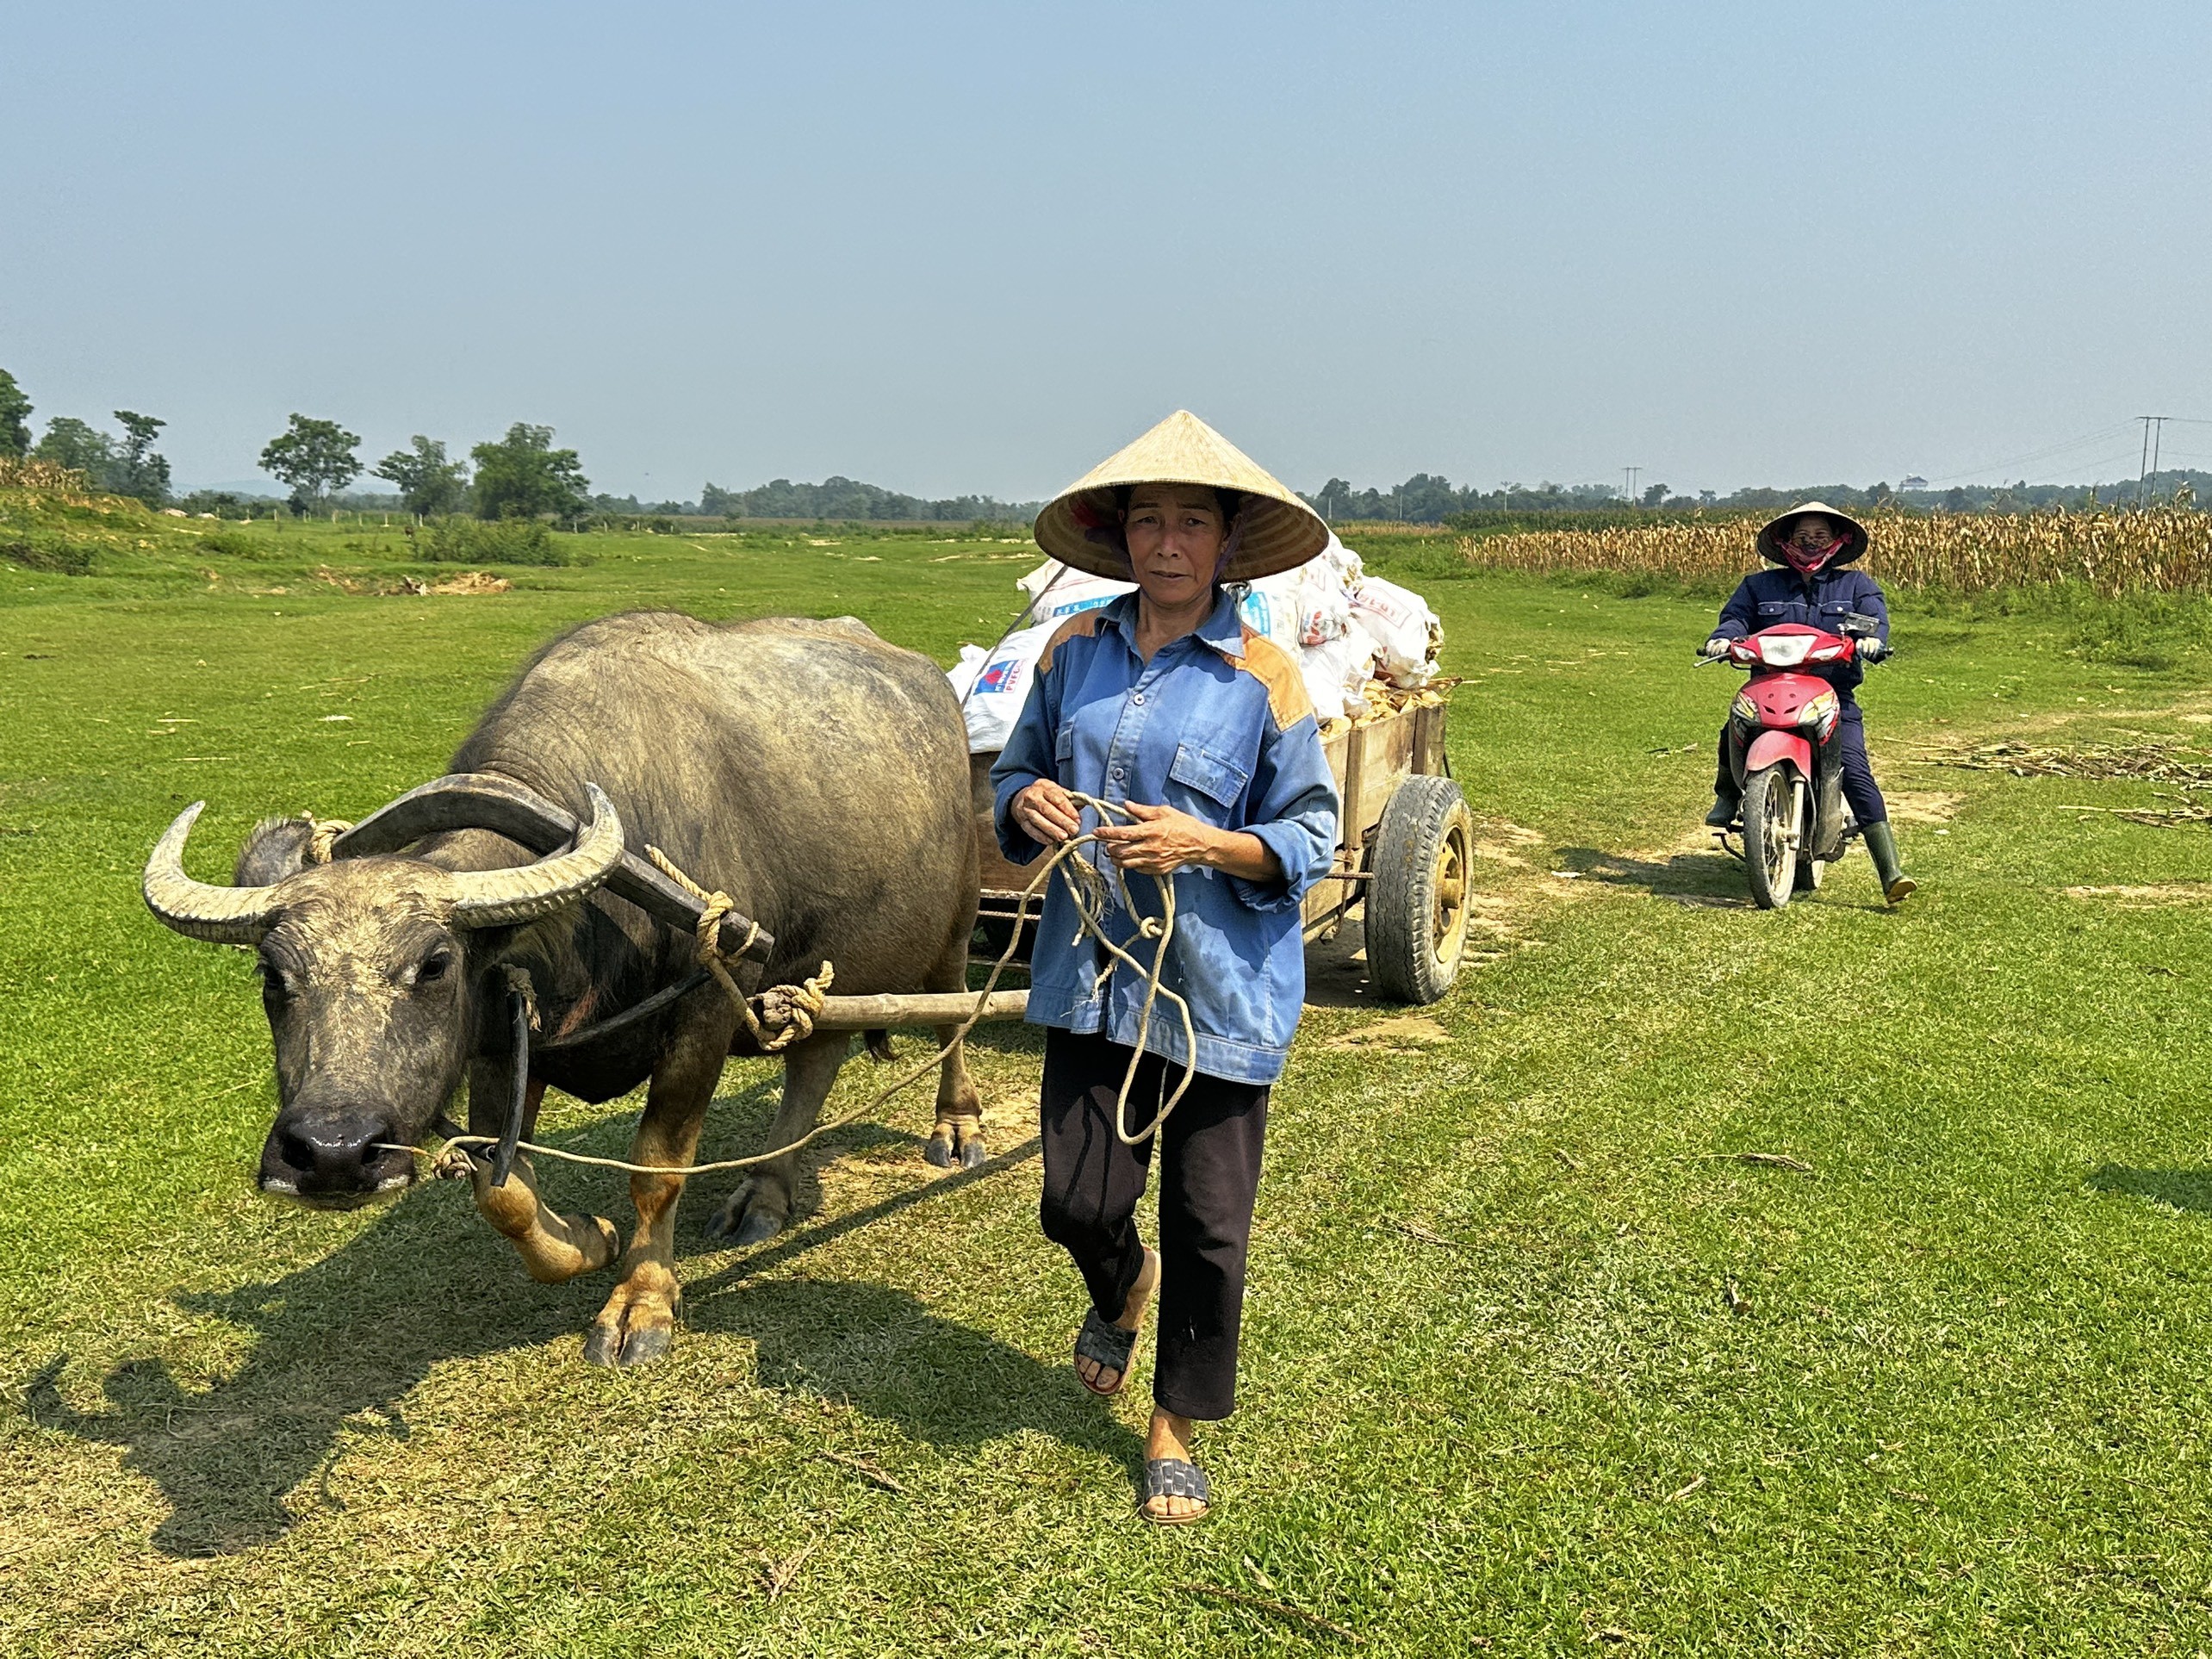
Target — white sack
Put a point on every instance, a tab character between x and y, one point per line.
1079	590
992	685
1405	630
1326	668
1273	607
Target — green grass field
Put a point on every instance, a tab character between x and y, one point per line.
1535	1363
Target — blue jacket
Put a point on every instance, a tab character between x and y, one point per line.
1778	594
1218	725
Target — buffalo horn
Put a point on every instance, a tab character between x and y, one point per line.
221	916
506	899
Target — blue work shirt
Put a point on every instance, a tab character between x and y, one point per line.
1768	597
1218	725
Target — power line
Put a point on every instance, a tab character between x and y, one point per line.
2098	436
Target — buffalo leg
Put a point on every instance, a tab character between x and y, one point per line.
957	1137
638	1322
761	1205
554	1247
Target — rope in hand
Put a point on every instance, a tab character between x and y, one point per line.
1089	891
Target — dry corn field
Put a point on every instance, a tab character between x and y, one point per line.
2161	549
45	477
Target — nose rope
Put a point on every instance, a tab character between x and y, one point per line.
1090	892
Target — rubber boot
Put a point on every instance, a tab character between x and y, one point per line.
1896	886
1724	809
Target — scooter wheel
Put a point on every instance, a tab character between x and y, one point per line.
1770	847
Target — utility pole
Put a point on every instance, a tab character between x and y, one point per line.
2153	436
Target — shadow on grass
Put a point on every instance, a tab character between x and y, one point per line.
1706	880
2187	1189
340	1345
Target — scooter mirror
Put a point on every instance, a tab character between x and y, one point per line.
1857	625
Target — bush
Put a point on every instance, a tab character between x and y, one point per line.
48	554
477	541
236	545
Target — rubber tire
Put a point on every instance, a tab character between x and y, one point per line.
1422	821
1809	874
1768	794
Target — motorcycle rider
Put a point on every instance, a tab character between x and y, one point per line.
1810	548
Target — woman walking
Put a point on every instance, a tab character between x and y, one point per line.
1200	732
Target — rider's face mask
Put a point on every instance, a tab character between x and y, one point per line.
1807	553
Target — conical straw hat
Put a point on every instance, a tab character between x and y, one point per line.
1274	530
1777	531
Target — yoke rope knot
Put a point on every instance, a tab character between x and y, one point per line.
322	837
786	1013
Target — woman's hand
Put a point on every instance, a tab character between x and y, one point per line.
1162	840
1045	812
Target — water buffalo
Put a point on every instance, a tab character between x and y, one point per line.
815	773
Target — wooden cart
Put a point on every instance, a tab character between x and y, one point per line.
1403	856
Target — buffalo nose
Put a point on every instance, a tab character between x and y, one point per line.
333	1157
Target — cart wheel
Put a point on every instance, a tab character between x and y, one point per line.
1417	905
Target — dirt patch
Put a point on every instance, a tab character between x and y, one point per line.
1407	1033
2161	897
476	581
1501	840
469	582
1923	805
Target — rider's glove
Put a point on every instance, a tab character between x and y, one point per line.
1872	650
1717	646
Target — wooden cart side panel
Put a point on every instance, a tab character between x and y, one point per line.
1387	759
1428	741
1325	900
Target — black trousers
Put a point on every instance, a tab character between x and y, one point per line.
1859	787
1209	1177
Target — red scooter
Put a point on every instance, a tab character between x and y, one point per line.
1780	732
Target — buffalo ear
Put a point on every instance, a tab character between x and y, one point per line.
276	848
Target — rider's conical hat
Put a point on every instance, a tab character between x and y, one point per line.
1273	531
1775	531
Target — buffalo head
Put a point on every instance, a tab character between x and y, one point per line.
367	978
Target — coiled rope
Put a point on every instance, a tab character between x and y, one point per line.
789	1007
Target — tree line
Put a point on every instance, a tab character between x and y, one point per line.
1428	497
521	475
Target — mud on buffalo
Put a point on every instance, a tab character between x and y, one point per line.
813	773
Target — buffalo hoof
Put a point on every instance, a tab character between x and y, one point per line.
956	1143
744	1218
635	1338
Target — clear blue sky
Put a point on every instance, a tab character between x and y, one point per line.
975	247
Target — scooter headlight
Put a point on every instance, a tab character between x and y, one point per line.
1819	716
1745	710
